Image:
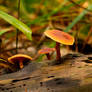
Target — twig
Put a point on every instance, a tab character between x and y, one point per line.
0	44
17	31
80	6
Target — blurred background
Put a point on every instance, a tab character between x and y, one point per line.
72	16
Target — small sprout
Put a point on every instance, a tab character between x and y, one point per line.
19	58
46	51
59	37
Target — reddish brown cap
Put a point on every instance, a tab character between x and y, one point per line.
46	50
60	36
19	58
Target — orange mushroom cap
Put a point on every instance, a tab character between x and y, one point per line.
46	50
60	37
19	58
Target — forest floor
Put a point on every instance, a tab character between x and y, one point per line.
74	75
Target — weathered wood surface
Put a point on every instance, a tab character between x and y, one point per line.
74	75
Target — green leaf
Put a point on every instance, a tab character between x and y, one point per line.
90	2
40	58
78	18
16	23
4	31
2	60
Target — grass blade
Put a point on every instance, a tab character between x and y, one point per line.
16	23
78	18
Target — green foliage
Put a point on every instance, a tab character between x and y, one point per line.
29	5
43	14
2	60
78	18
40	58
90	2
16	23
45	17
61	8
50	44
84	31
4	31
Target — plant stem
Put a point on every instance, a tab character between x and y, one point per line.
17	31
0	44
58	57
48	56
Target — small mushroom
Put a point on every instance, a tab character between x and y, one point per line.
46	51
20	58
59	37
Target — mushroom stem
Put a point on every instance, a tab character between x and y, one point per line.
48	56
58	57
21	64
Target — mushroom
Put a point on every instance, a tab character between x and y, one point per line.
20	58
46	51
59	37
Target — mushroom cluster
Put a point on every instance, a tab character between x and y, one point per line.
59	37
56	35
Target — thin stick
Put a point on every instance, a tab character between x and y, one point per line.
0	44
79	5
17	31
76	38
